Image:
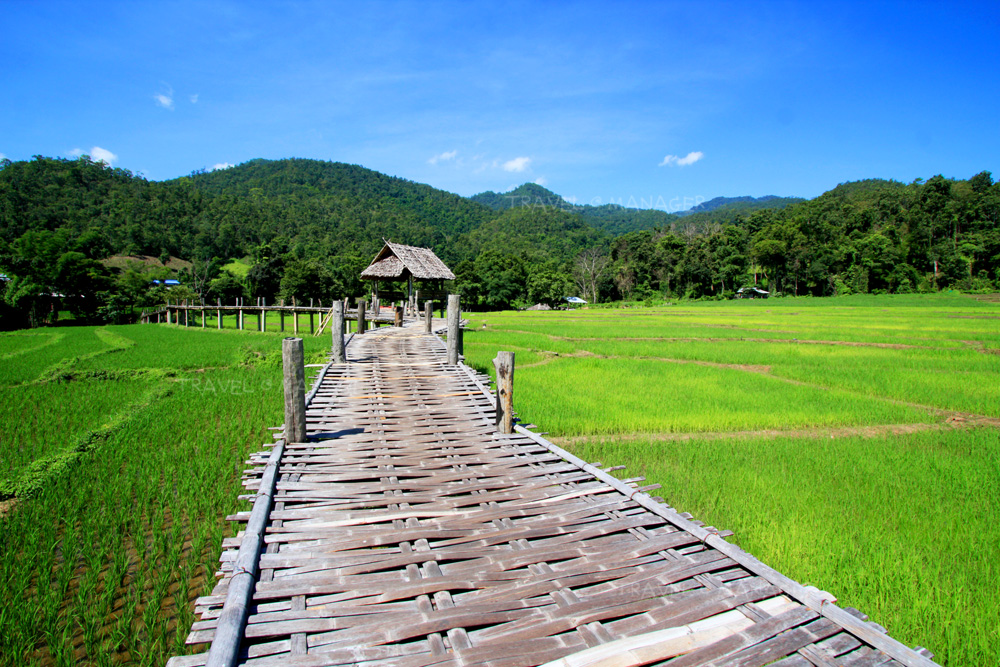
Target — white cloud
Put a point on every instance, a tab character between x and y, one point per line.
541	180
194	98
449	155
220	165
690	158
97	154
103	155
517	164
2	156
165	100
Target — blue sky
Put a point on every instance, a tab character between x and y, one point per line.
645	103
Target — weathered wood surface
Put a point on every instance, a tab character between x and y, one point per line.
408	532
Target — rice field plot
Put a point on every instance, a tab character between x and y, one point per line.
23	365
903	528
102	562
173	347
648	396
865	462
45	419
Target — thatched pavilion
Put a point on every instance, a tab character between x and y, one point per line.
406	262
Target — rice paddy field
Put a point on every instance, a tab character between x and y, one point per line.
121	450
852	443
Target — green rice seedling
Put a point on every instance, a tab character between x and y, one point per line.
73	342
42	420
14	344
167	471
573	396
901	527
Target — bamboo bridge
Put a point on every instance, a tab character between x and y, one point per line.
404	529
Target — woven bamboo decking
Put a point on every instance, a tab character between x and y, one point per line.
407	532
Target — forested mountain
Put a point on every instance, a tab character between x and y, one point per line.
306	228
613	218
743	204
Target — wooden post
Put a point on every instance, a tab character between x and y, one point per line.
337	332
399	316
202	316
218	311
185	313
295	318
263	314
239	321
281	317
312	328
504	364
453	319
361	316
428	315
293	362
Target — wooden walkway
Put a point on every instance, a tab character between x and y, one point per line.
407	532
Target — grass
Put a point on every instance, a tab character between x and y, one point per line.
903	528
819	430
649	396
124	447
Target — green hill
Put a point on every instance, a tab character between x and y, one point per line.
613	218
307	228
741	204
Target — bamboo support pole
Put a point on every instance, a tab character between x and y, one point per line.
428	315
361	316
337	332
293	362
454	314
399	316
504	364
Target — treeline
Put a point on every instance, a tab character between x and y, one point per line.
306	228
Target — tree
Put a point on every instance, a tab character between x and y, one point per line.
588	270
21	304
306	279
264	278
502	280
771	254
547	284
80	279
226	288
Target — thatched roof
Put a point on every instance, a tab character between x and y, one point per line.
394	261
